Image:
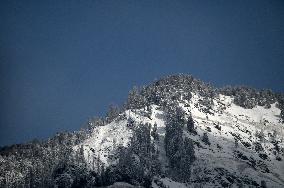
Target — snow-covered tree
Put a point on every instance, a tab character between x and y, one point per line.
205	139
135	100
112	113
190	125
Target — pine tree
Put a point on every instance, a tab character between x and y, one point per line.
135	100
64	181
130	122
205	139
263	184
112	113
154	132
236	143
282	114
190	125
187	158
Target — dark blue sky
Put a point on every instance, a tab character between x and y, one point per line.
64	61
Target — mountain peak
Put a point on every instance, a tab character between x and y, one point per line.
176	132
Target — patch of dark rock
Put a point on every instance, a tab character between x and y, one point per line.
208	129
230	179
263	156
258	147
252	162
263	167
246	144
278	158
248	181
224	183
236	136
218	127
198	144
248	132
240	155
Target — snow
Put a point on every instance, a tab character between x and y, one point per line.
121	185
235	122
104	141
167	182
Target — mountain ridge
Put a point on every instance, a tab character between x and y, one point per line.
167	132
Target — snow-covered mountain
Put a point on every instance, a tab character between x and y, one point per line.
231	157
179	132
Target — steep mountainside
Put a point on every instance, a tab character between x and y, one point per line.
236	151
176	132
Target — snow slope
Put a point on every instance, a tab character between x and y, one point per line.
233	159
106	139
235	154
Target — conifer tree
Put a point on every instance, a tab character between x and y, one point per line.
190	125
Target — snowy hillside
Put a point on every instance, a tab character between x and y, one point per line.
177	132
105	140
235	153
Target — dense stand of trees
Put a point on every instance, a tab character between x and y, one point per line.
179	149
55	163
249	97
35	164
176	88
179	87
138	163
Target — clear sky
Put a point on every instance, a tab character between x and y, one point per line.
64	61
